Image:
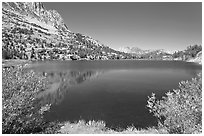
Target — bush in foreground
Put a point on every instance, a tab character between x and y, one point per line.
20	113
180	111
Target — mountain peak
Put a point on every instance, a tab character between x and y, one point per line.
128	49
35	10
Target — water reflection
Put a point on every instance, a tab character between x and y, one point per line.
193	69
59	83
113	91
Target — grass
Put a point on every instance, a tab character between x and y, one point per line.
99	127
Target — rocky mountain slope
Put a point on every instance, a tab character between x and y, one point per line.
29	31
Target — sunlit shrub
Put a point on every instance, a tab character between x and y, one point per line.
84	127
20	113
180	111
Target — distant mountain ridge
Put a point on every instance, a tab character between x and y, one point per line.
136	50
131	50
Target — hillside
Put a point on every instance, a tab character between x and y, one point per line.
29	31
191	54
197	59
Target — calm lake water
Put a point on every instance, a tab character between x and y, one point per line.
113	91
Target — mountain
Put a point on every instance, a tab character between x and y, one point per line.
134	50
138	51
33	15
29	31
159	54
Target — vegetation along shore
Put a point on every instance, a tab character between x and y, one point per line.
32	33
21	114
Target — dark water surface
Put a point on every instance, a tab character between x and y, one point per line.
113	91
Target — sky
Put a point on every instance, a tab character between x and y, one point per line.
169	26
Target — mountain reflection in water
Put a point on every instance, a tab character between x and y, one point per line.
113	91
59	83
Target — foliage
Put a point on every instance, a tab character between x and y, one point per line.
190	52
178	54
83	127
99	127
7	53
20	113
180	111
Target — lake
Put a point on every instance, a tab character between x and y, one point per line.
115	91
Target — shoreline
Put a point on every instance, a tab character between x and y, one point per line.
93	127
16	62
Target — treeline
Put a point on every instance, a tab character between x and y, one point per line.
190	52
32	44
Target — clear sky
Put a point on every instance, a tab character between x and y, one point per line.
169	26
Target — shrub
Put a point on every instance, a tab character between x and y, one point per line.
20	113
180	111
84	127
